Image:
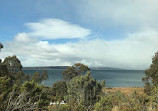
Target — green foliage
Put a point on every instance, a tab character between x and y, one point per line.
77	107
103	83
44	100
21	77
35	91
44	75
13	64
38	78
4	71
31	87
1	46
5	84
105	104
84	90
59	91
67	107
132	102
15	92
5	88
12	68
137	102
118	98
153	98
75	70
64	107
151	73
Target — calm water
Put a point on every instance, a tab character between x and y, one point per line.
113	78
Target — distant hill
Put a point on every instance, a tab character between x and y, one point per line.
64	67
105	68
45	68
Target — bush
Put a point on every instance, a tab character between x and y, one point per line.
105	104
83	90
59	91
60	108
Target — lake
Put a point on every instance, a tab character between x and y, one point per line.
113	78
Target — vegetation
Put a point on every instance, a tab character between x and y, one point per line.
38	78
105	104
59	91
83	90
75	70
1	46
20	91
151	79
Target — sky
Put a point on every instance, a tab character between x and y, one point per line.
98	33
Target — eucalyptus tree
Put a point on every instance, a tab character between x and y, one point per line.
75	70
84	90
151	73
13	64
1	46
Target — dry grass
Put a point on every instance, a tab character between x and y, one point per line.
125	90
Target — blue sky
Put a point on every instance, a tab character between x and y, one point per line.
17	13
103	33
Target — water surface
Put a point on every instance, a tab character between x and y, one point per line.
113	78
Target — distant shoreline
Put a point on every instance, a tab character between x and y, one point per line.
64	67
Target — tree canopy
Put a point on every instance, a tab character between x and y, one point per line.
151	73
1	46
83	90
17	91
13	64
38	78
75	70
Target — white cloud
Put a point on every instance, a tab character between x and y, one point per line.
133	52
23	38
56	29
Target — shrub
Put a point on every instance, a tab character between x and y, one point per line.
105	104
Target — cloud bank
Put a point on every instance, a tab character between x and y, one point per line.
128	13
133	52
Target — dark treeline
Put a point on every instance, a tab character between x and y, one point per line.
76	91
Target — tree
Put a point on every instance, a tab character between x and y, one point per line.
5	84
36	93
44	75
75	70
13	64
21	77
4	71
38	78
84	90
105	104
19	102
59	91
1	46
5	88
151	73
17	94
11	67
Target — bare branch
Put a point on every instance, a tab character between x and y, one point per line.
20	103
